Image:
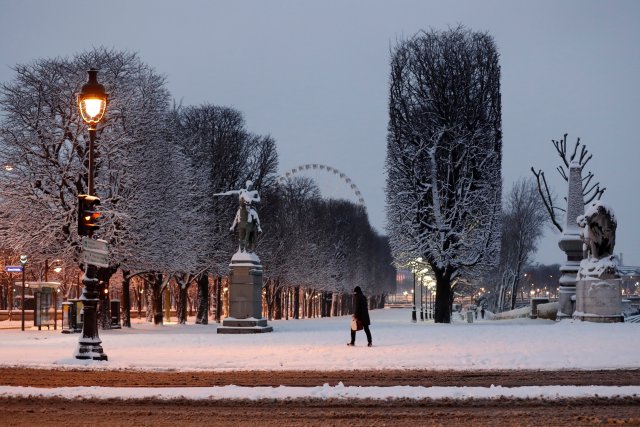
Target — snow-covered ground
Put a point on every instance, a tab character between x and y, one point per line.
323	392
320	344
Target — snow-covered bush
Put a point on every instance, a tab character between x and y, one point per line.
548	310
513	314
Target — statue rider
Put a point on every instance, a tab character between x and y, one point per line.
246	220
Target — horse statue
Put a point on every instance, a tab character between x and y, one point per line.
246	220
248	225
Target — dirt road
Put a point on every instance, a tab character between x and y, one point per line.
426	378
477	412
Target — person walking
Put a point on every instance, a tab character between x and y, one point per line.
361	313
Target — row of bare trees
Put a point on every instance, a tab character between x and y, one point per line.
157	167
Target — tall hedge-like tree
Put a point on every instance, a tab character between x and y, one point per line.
444	155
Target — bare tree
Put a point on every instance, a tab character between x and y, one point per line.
590	191
523	223
444	155
44	139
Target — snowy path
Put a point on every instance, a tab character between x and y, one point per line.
320	344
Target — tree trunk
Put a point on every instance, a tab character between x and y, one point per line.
183	296
334	304
104	311
296	302
514	284
443	297
269	299
514	295
104	306
126	299
277	301
345	304
218	298
202	316
156	289
310	305
287	305
139	294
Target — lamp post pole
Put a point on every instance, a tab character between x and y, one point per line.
92	104
413	312
22	303
23	261
421	301
92	140
10	295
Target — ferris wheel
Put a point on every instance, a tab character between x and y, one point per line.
338	183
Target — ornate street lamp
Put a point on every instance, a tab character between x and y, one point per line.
92	103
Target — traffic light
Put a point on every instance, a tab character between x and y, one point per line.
103	289
88	214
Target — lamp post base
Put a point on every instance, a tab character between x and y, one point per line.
86	351
89	345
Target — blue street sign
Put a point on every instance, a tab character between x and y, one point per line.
13	269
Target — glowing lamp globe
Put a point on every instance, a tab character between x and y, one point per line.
92	100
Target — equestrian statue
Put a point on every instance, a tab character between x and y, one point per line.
246	220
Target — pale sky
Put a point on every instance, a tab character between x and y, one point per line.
314	75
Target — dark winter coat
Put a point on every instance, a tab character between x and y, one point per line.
360	309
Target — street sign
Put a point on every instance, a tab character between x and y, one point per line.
95	258
13	269
95	245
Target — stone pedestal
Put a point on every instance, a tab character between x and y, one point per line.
245	297
599	300
571	244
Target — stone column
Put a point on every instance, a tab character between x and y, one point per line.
571	244
245	297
